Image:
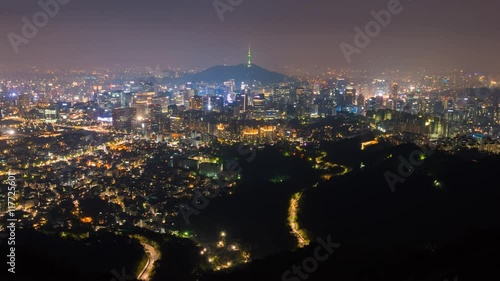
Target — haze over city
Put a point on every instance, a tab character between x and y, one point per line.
224	140
435	35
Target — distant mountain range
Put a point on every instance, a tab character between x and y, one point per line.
240	73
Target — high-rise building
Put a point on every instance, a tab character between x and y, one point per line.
156	117
141	102
394	95
176	124
241	101
163	99
230	85
281	95
350	95
123	118
282	91
24	103
196	103
259	101
379	102
299	91
179	99
118	99
339	93
48	113
360	100
341	85
380	87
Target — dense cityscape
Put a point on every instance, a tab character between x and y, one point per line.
103	150
239	172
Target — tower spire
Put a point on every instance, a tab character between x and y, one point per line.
249	55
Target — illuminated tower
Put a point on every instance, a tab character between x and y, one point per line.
249	56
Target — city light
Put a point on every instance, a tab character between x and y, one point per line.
145	142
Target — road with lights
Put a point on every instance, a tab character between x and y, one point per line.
153	256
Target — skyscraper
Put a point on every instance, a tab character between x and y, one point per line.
394	95
360	101
350	95
24	103
156	117
123	118
196	103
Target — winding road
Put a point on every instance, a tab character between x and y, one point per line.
293	221
294	206
153	256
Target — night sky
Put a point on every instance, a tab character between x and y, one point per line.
188	33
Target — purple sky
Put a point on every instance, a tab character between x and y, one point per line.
189	33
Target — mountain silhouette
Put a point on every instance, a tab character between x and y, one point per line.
240	73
